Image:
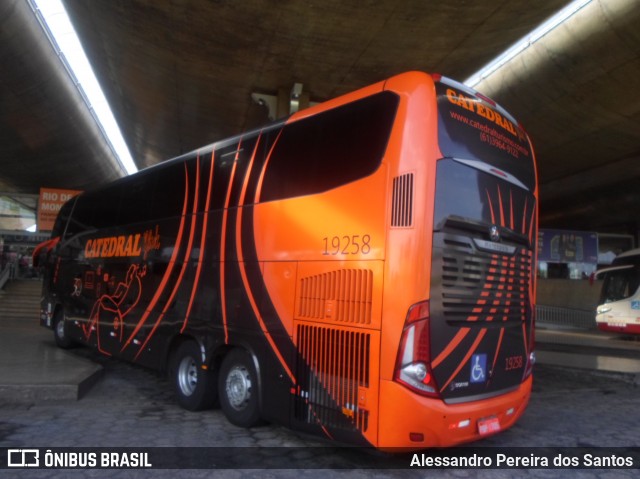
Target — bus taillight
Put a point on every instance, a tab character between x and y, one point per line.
413	366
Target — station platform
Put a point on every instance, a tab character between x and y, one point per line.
34	369
589	349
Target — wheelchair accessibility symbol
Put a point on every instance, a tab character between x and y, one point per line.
478	368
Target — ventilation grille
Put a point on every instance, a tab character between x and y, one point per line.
333	365
485	287
343	295
402	202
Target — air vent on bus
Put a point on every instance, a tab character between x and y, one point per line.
485	287
402	201
333	365
343	296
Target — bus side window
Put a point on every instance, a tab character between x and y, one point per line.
105	207
83	218
63	218
330	149
79	224
168	192
135	200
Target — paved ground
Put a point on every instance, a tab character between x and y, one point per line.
132	407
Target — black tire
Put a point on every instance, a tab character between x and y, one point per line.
195	387
239	389
60	331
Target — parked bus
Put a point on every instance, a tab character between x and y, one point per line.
362	270
619	306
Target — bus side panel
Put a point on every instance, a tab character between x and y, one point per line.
413	149
141	282
280	280
346	224
337	387
147	296
250	320
324	257
118	303
336	332
320	196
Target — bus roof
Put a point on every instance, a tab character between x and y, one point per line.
631	252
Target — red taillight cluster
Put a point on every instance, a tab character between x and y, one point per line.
413	365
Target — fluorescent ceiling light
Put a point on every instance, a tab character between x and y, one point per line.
70	51
524	43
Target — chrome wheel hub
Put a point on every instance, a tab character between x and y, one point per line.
187	376
238	387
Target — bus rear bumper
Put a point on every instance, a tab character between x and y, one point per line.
409	421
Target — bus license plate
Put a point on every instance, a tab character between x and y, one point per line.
488	425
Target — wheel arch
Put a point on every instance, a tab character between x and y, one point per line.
175	343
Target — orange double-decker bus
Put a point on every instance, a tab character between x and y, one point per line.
363	269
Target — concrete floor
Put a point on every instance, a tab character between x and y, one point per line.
32	368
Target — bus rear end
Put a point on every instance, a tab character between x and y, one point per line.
458	347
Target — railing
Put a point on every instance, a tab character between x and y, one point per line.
554	316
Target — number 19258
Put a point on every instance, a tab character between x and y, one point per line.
344	245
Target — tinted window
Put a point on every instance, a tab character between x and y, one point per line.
466	192
105	204
62	218
136	199
94	210
620	284
167	190
623	283
469	128
330	149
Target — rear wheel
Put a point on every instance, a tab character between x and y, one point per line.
239	390
195	387
60	333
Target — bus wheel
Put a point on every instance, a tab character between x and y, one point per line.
60	333
238	386
194	386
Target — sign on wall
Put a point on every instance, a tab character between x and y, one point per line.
560	246
51	200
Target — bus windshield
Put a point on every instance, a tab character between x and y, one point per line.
620	284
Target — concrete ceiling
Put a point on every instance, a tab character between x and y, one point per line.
179	74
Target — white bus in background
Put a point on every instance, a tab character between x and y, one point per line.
619	305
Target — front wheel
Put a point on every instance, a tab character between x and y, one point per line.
195	387
60	333
239	390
